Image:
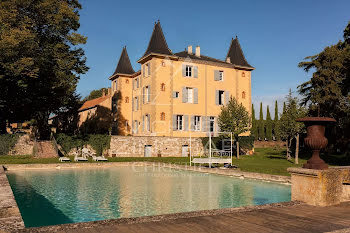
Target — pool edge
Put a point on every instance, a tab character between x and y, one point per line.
10	216
218	171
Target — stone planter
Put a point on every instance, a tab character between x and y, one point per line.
316	140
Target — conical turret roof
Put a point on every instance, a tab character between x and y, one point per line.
157	43
124	65
236	55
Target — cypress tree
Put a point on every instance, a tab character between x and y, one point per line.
261	128
275	122
254	130
268	124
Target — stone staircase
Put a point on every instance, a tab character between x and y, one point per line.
45	149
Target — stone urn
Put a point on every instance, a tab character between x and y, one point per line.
316	140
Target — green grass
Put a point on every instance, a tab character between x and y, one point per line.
265	160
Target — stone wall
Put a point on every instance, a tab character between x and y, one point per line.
134	146
24	146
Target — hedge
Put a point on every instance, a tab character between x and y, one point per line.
7	142
99	142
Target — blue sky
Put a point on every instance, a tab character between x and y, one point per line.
275	36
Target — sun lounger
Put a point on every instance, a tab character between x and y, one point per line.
82	158
99	158
64	159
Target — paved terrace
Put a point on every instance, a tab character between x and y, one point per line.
284	217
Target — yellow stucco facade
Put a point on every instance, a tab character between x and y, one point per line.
178	94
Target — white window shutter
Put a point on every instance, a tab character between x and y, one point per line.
216	75
204	123
174	94
184	95
149	94
185	123
143	123
217	96
195	95
192	123
148	122
183	70
195	71
149	69
227	97
143	95
143	70
174	122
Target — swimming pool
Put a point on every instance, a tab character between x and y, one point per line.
50	197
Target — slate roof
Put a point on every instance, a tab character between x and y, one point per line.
124	65
93	103
185	54
236	54
157	43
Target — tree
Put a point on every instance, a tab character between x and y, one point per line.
261	127
234	118
327	92
268	124
40	60
288	127
254	130
95	94
275	122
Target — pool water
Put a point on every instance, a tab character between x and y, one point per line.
50	197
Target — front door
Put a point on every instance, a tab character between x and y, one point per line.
148	151
184	151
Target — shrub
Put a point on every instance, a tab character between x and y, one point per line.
98	142
7	142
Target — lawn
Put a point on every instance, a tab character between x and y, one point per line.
265	160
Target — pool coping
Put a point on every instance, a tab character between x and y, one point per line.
10	216
218	171
156	218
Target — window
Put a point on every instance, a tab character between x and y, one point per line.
136	103
126	99
197	123
162	116
163	63
126	123
147	70
188	71
135	127
211	123
243	95
146	94
136	83
243	74
221	75
189	94
127	81
221	97
147	122
115	85
179	122
176	94
162	87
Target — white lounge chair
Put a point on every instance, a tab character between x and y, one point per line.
99	158
78	158
64	159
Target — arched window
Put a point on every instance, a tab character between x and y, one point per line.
243	95
163	63
126	99
162	87
127	81
243	74
162	116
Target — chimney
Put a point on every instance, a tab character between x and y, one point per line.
228	59
103	92
198	51
189	49
109	91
